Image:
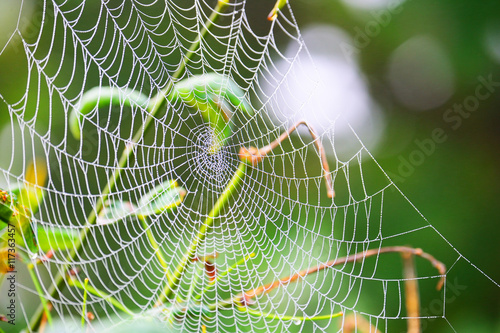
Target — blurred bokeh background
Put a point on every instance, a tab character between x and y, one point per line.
419	81
419	62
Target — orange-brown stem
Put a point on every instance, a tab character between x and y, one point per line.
411	293
247	296
253	155
46	257
43	323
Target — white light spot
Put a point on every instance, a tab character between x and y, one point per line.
420	74
492	41
372	4
322	84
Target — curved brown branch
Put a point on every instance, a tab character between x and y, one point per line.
253	155
246	297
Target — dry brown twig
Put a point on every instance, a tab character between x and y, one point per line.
246	297
254	156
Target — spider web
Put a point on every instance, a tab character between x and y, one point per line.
280	212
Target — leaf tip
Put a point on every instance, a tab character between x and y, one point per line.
272	15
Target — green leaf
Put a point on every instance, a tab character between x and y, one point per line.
31	194
3	227
30	239
52	238
18	206
276	9
7	207
212	85
165	196
115	211
217	97
100	97
5	266
12	211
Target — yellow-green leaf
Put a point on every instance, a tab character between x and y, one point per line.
217	98
52	238
7	207
115	211
100	97
276	9
31	194
19	216
163	197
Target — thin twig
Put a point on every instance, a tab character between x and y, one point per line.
247	296
254	156
244	299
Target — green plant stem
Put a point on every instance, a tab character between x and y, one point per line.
197	275
158	251
113	301
202	232
291	318
84	307
160	100
45	307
